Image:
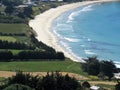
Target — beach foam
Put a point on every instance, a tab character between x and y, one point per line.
89	52
76	13
71	39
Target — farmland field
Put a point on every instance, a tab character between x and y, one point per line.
13	28
7	38
42	66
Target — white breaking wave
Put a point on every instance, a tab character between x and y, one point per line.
82	45
89	52
58	35
64	27
87	8
76	13
117	64
69	50
89	39
71	39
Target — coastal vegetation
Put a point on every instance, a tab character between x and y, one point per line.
20	50
102	69
52	81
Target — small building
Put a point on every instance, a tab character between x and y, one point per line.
22	6
29	3
95	88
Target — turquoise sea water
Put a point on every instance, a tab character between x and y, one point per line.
92	30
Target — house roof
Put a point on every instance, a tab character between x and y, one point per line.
94	87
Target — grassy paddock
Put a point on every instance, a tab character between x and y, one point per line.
13	28
7	38
42	66
22	39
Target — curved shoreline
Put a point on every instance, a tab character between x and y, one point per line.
43	22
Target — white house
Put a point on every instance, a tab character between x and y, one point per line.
94	88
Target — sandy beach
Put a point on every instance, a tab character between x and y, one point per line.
42	23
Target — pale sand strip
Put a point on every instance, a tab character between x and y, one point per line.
42	25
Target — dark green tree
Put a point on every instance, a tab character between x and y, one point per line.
108	68
6	55
55	81
9	9
117	86
28	11
92	66
85	85
11	2
25	79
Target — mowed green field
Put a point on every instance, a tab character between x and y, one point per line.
42	66
13	28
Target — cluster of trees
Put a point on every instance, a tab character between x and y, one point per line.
11	19
101	68
14	14
117	86
5	55
15	45
40	55
27	55
12	34
52	81
11	2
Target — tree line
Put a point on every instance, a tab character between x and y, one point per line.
39	55
11	19
15	45
12	34
28	55
103	68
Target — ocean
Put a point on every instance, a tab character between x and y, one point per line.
91	30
